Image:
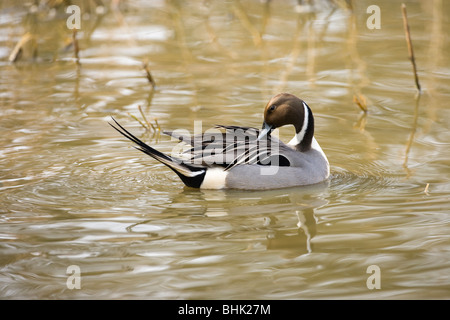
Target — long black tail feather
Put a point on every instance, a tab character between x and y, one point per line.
191	175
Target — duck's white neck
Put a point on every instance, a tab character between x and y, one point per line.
298	138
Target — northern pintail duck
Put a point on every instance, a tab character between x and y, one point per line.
248	158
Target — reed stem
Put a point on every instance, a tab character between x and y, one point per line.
76	48
410	46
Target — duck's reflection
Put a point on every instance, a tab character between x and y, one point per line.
297	240
285	217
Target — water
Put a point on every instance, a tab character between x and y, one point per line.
74	192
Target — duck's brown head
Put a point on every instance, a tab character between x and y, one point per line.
287	109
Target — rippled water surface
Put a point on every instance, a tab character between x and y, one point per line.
73	192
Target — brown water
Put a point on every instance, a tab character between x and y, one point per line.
74	192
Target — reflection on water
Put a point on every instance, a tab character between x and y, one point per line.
299	239
294	237
73	192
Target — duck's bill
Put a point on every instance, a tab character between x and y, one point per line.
266	129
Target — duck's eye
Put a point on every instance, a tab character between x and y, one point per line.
272	108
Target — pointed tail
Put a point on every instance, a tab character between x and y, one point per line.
191	175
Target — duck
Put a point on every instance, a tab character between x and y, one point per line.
247	158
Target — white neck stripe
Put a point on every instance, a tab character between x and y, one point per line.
298	138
